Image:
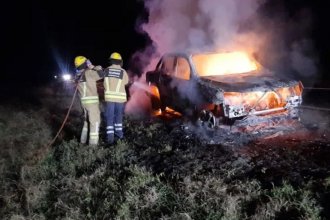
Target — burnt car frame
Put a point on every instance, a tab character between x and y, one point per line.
224	97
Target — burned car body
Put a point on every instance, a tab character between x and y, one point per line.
226	86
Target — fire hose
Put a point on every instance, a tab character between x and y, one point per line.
67	114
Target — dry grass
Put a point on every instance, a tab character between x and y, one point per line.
154	174
23	136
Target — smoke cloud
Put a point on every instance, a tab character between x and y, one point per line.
197	25
277	40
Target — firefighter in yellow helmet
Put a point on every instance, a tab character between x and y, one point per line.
115	80
86	77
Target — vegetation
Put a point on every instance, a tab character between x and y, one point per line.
157	172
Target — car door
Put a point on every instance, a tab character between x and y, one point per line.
180	84
167	70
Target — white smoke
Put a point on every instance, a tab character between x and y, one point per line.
225	25
139	104
188	25
197	25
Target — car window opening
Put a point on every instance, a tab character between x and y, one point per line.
215	64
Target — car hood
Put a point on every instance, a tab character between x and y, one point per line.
246	82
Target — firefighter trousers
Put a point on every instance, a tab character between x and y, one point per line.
91	124
114	112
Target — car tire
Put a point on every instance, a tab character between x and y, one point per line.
207	118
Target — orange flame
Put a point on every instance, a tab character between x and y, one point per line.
223	63
263	100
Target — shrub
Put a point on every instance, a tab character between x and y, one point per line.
146	197
23	137
289	202
155	173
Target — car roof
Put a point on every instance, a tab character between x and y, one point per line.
191	53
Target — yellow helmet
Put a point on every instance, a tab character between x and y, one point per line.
79	60
115	56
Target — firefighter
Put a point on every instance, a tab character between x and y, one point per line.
86	77
115	80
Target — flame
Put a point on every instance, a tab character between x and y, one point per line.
168	112
153	90
223	63
157	112
260	100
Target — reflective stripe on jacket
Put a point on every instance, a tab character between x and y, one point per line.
87	87
115	79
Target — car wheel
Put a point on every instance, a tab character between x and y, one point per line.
207	118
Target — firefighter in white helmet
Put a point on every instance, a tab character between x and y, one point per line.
86	77
115	80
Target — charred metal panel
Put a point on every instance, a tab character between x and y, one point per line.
210	92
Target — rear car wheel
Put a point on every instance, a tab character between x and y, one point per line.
207	118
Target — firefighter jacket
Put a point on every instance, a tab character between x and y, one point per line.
115	80
87	85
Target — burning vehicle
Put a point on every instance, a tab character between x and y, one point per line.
222	88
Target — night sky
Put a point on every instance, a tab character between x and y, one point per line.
41	38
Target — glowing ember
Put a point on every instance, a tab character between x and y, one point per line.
167	113
223	63
157	112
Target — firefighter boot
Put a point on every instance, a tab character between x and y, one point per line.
119	110
93	138
83	136
110	134
110	113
